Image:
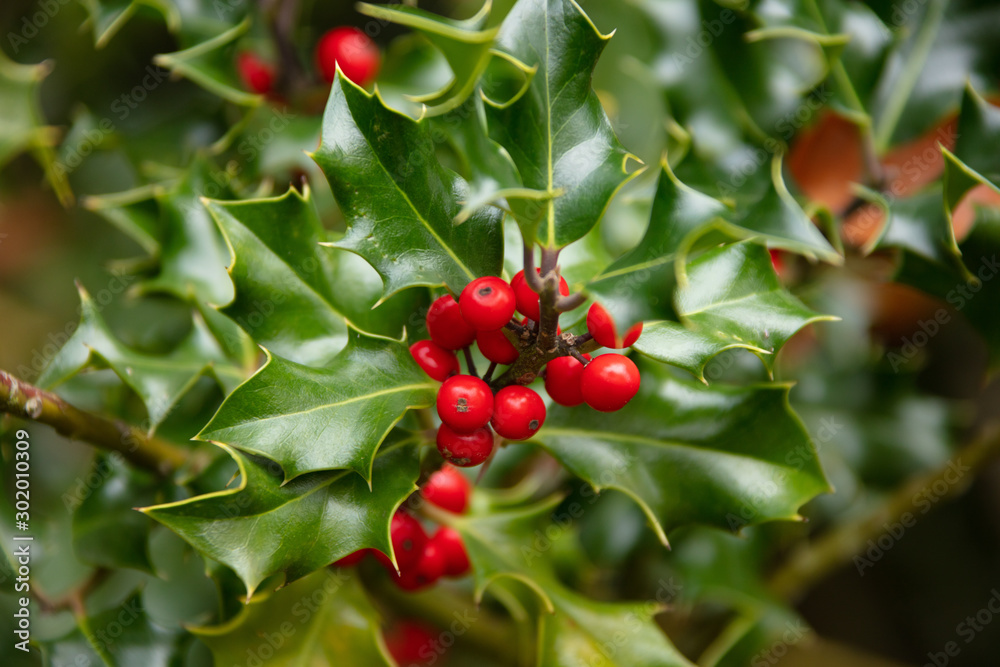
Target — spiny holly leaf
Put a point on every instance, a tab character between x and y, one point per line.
493	178
399	202
575	630
723	456
292	295
634	286
557	132
107	531
107	17
920	225
212	65
264	527
118	637
193	257
310	419
464	44
22	127
973	162
732	299
159	380
333	622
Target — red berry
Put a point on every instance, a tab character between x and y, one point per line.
518	412
351	558
357	55
465	449
257	75
408	541
436	361
496	347
446	325
448	489
465	403
410	642
527	298
562	380
450	544
428	569
609	382
487	303
602	327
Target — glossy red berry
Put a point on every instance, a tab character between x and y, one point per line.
518	412
448	489
351	559
527	298
487	303
257	75
408	541
410	642
465	449
609	382
562	380
446	325
357	55
428	569
602	327
465	403
449	542
496	347
436	361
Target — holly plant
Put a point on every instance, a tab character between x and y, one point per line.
454	334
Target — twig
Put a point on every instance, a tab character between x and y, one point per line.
29	402
567	303
813	561
489	372
469	363
578	356
74	598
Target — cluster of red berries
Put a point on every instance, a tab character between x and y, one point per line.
358	56
467	405
424	559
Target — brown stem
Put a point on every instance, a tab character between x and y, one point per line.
813	561
283	15
567	303
531	276
489	372
29	402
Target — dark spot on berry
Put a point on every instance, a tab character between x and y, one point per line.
462	405
407	545
533	424
485	291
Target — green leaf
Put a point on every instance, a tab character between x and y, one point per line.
119	637
464	44
159	380
633	287
212	65
107	17
107	531
331	620
22	127
264	527
723	456
920	225
574	629
193	257
557	133
732	299
972	163
399	202
294	296
310	419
